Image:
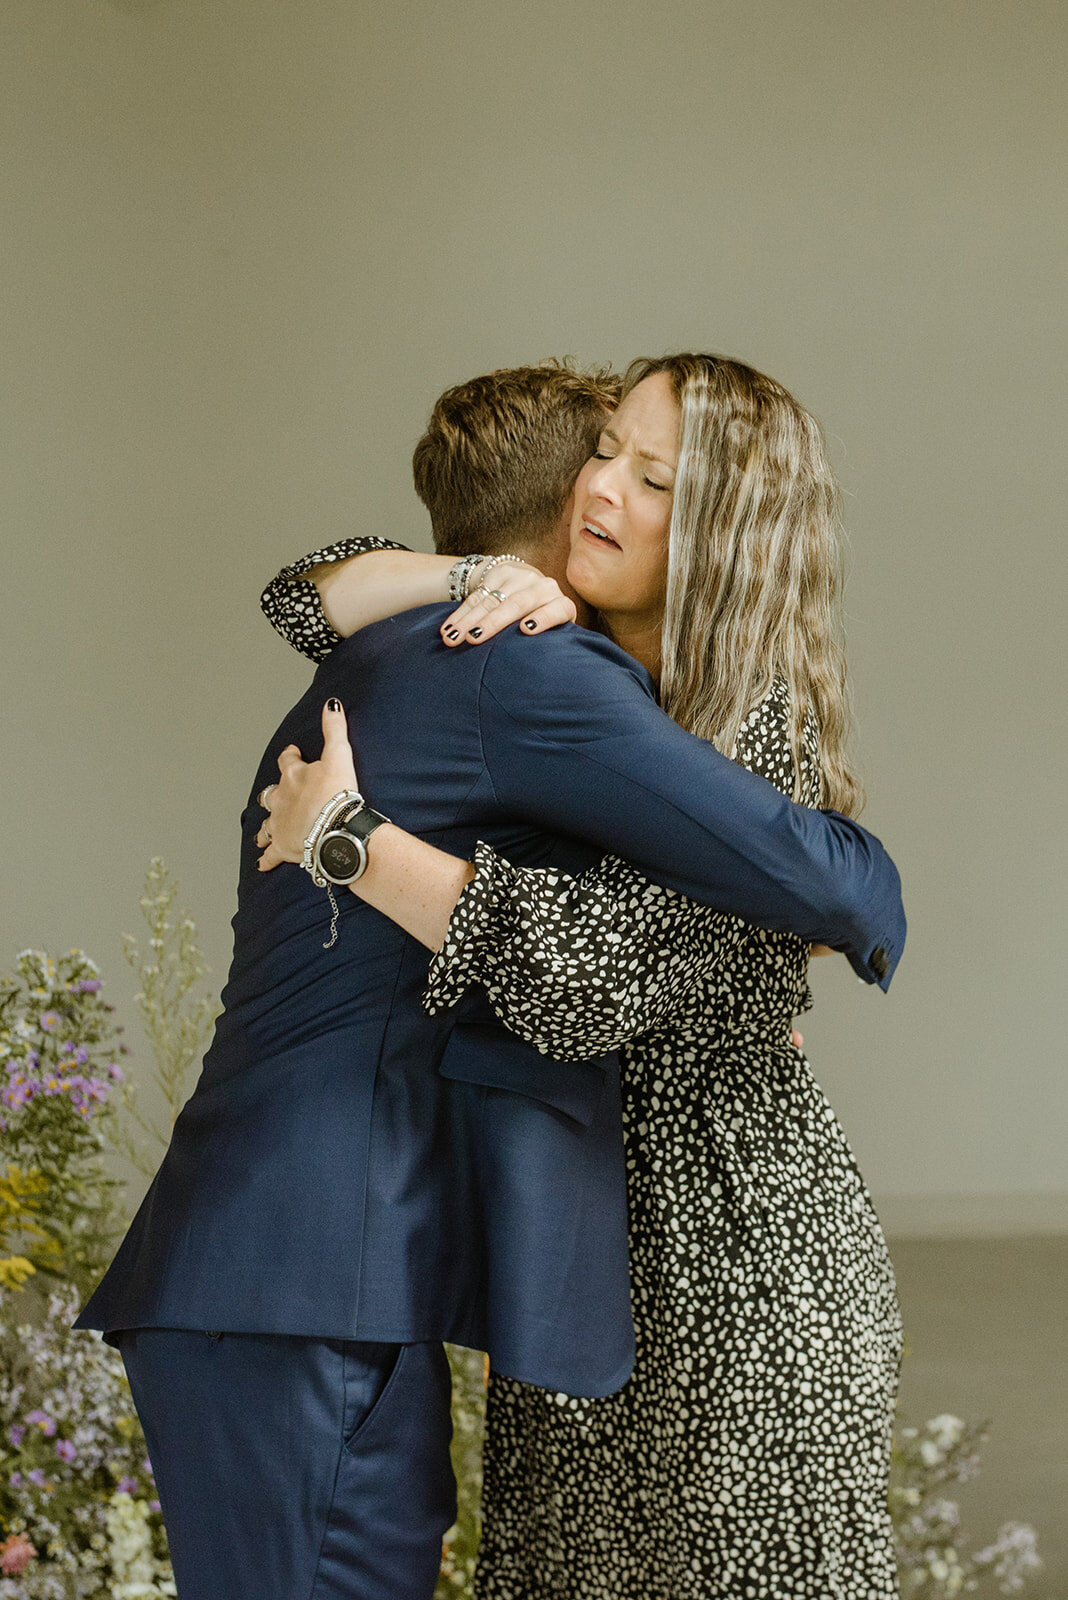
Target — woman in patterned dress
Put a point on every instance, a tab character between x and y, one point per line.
747	1455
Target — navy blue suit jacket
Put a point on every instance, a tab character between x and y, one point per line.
350	1167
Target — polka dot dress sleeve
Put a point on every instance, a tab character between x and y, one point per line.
291	601
576	966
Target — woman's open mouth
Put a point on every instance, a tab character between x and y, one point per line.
597	535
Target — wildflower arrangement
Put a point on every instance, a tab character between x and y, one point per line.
77	1497
58	1075
933	1558
79	1518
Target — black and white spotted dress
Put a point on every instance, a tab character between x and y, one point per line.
747	1456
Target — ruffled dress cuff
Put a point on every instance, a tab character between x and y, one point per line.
476	930
291	602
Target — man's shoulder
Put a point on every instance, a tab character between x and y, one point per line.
567	660
568	657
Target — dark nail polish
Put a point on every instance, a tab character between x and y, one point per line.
452	633
476	633
530	623
333	704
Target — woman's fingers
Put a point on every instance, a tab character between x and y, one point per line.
483	615
303	788
337	757
271	857
552	615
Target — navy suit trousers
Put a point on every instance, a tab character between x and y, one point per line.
296	1469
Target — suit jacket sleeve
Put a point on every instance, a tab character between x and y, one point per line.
573	741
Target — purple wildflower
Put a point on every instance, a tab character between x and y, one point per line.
127	1486
48	1020
65	1450
43	1421
154	1505
15	1480
87	986
16	1432
37	1476
18	1092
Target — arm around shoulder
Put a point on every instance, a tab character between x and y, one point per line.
574	741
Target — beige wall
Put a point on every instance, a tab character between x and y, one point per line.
244	244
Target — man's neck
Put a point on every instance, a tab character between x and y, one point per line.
550	556
639	637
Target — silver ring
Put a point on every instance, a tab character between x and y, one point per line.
497	595
264	793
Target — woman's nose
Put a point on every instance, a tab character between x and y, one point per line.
605	482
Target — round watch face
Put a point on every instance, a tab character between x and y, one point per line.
341	857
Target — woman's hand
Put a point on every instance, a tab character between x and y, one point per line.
512	592
303	788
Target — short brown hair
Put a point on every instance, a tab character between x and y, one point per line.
501	453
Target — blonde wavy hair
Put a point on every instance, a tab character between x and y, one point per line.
754	589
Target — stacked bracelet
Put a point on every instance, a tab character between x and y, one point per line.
335	851
339	805
461	574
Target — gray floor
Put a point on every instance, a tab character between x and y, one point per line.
986	1322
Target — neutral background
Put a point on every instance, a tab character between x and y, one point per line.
244	244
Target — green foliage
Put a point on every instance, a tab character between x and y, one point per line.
468	1420
176	1021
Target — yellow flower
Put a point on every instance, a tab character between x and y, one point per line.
14	1271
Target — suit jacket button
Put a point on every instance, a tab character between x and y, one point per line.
879	962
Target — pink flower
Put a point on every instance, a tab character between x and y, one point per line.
16	1553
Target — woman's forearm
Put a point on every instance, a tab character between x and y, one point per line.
413	883
380	583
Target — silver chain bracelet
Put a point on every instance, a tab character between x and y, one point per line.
343	803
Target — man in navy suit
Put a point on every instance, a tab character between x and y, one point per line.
352	1181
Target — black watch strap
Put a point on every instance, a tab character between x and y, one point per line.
362	822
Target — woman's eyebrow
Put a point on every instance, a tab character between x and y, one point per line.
646	455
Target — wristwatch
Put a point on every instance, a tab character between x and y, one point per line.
340	855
